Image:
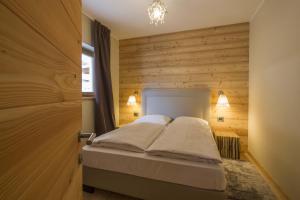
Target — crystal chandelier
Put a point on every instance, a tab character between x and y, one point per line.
157	11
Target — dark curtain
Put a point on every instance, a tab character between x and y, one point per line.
104	107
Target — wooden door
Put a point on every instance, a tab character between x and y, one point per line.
40	99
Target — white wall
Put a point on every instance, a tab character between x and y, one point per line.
274	104
88	106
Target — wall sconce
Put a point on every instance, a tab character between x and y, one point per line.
222	103
222	100
132	102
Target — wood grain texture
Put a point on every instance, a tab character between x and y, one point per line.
40	101
216	58
56	27
73	9
32	68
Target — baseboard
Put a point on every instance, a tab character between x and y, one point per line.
274	186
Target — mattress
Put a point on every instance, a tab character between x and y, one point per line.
201	175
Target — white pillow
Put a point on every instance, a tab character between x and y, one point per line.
156	119
192	119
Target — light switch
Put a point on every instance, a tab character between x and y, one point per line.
220	119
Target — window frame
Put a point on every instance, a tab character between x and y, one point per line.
89	51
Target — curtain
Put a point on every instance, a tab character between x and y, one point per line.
104	106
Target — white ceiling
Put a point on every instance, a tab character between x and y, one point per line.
129	18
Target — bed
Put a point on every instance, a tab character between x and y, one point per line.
151	177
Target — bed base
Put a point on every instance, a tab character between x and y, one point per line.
144	188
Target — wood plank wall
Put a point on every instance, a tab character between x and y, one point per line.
40	99
216	58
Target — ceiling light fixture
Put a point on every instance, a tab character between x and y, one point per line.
157	11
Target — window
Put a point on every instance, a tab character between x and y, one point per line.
87	73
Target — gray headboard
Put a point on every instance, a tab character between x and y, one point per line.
177	102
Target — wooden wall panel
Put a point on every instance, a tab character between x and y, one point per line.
73	9
40	101
216	58
187	34
52	20
40	74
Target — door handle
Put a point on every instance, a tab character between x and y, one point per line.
90	136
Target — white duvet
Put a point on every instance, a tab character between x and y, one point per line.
136	137
187	138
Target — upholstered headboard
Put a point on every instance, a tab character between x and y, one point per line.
177	102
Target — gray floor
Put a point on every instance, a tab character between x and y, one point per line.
243	183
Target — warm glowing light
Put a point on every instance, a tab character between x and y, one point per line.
157	11
222	100
131	101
